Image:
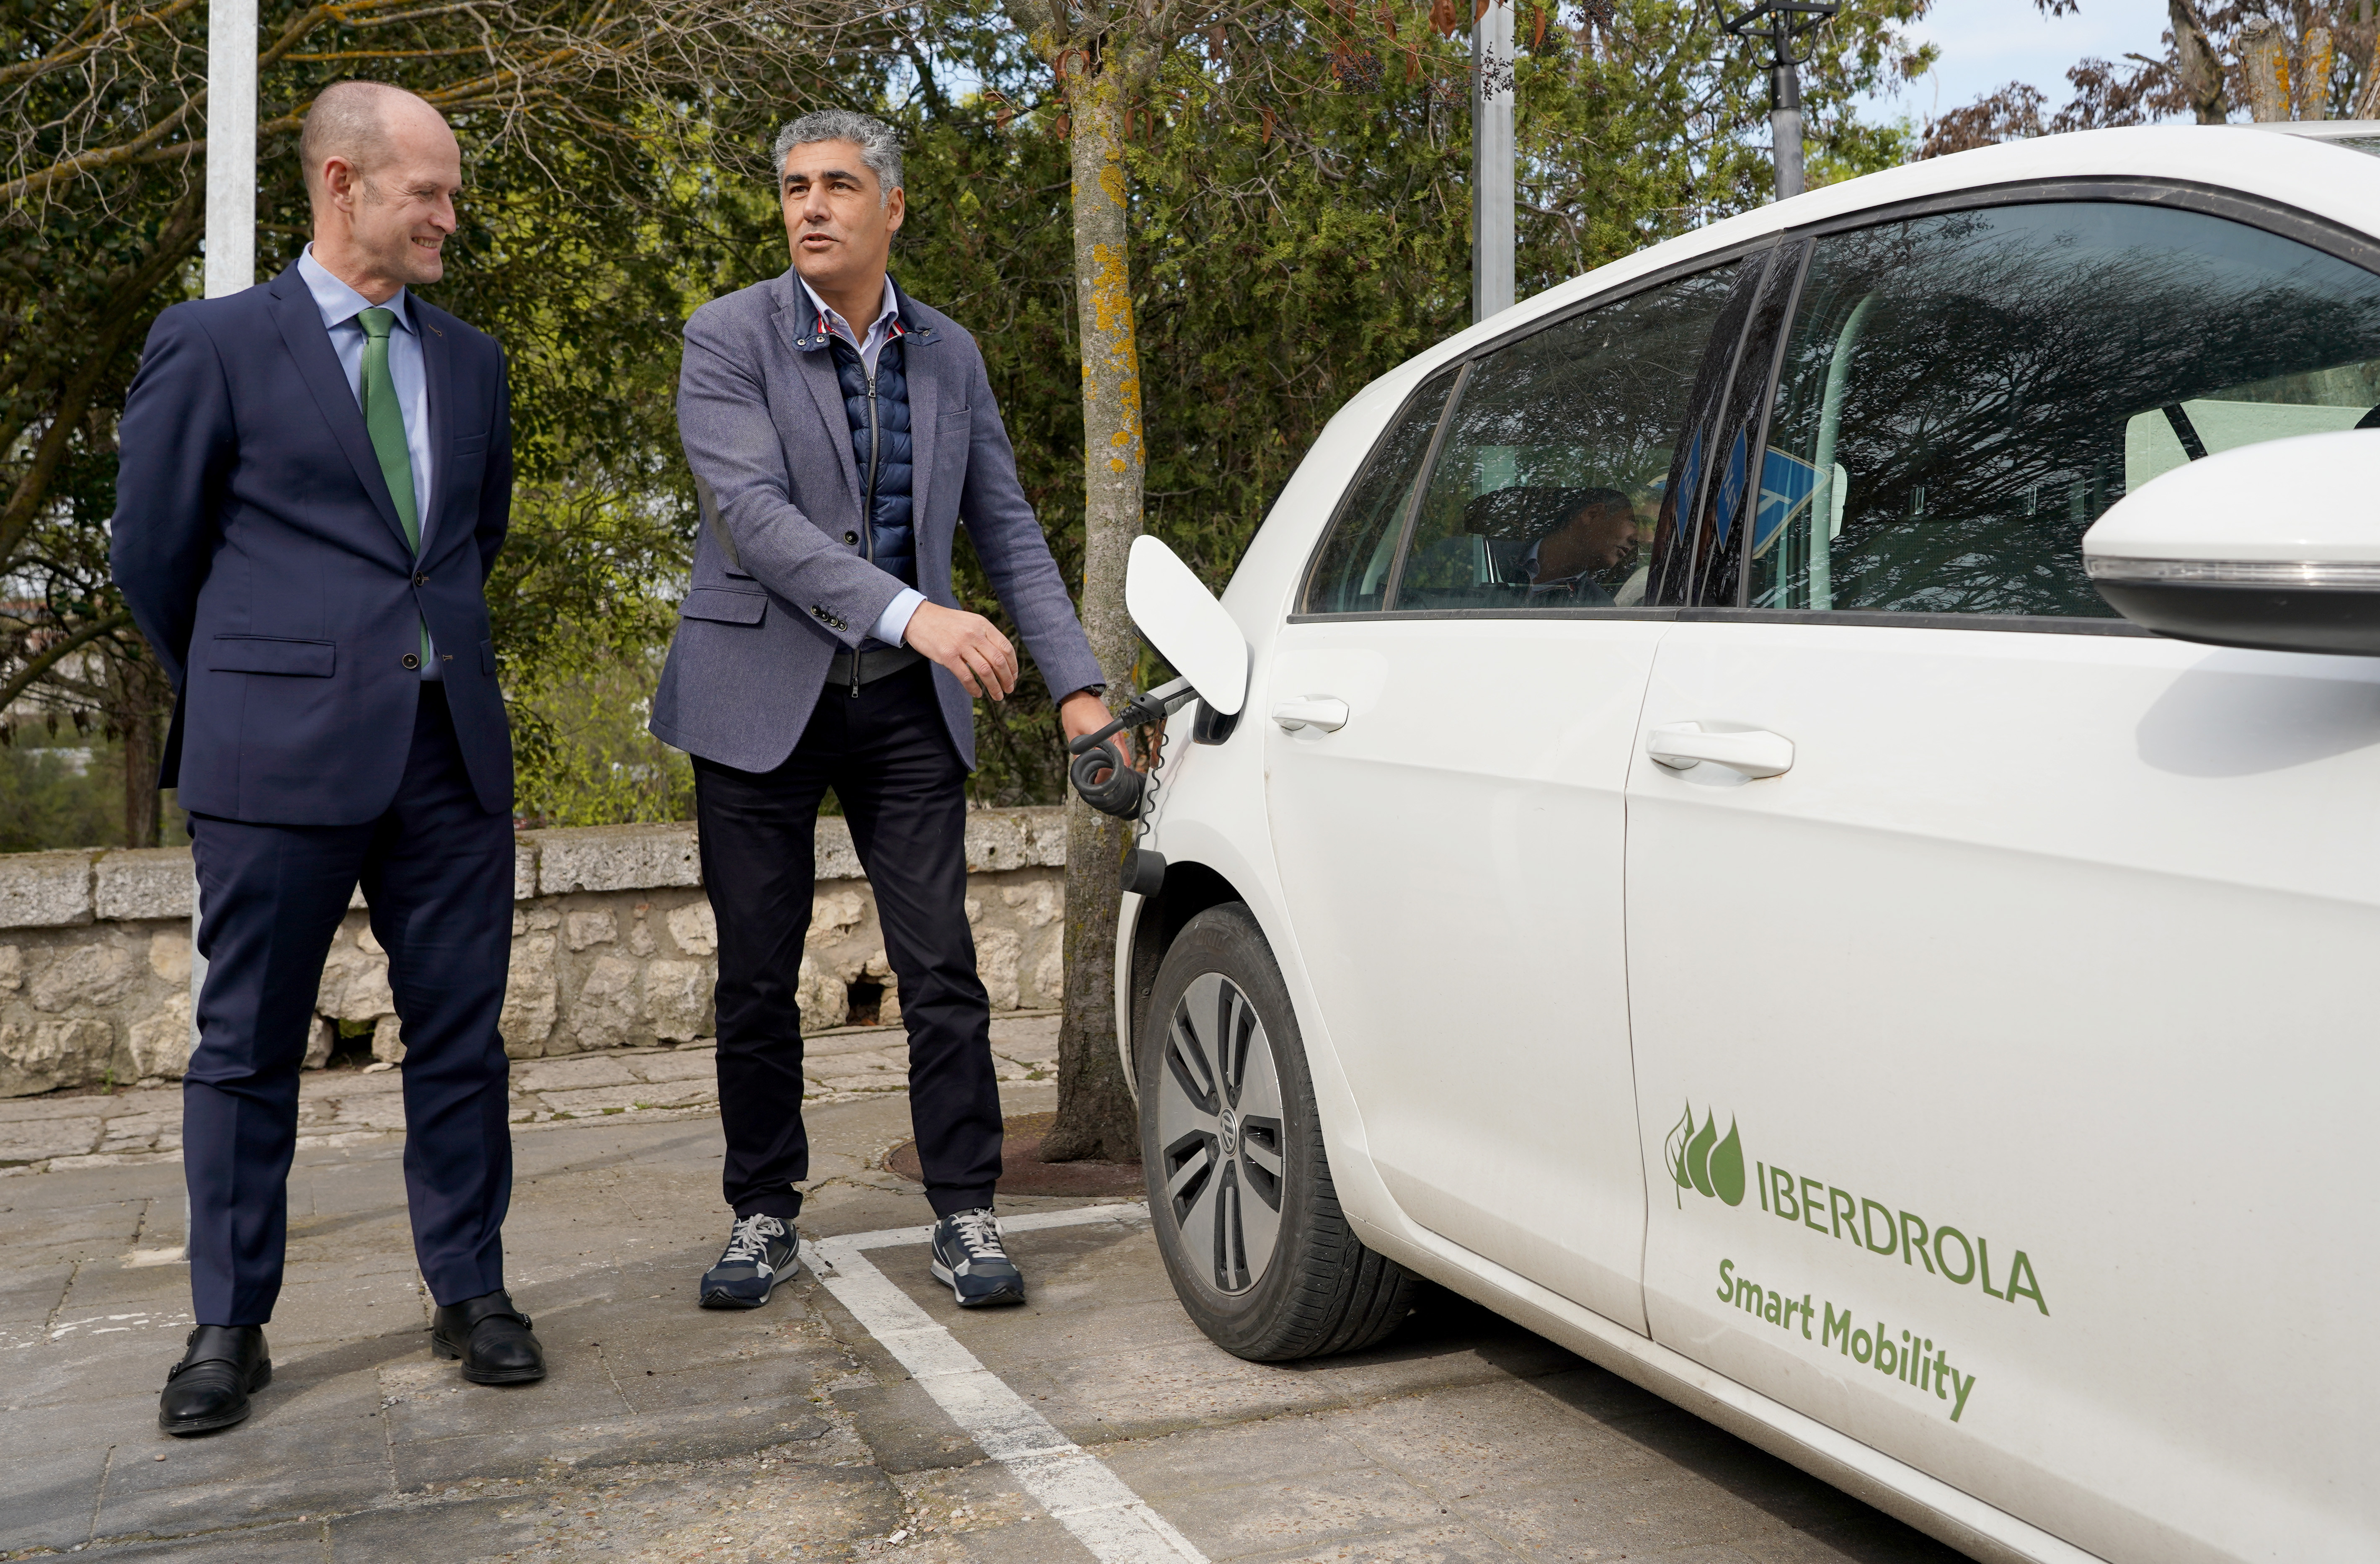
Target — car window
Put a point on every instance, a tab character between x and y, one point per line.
1963	395
1698	543
1551	470
1351	570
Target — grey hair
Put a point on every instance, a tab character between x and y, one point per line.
879	144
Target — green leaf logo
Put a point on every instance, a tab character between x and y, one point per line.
1673	1151
1703	1162
1726	1168
1698	1152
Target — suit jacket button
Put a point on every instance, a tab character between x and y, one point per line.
851	537
421	579
410	659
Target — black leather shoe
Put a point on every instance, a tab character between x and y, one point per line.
209	1389
492	1338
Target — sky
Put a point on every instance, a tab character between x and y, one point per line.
1988	43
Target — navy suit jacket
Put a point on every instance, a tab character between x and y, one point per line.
258	548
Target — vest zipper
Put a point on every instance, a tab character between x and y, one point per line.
867	509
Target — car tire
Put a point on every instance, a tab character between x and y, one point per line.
1239	1183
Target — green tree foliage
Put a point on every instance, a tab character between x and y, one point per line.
1301	220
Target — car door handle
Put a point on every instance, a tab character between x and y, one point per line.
1755	752
1317	711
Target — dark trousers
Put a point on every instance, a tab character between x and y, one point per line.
889	758
437	870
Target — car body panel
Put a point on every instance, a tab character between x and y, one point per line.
1998	989
2233	1193
1487	759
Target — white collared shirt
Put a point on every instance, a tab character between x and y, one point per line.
894	621
340	305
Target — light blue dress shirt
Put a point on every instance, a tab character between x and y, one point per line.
895	622
340	305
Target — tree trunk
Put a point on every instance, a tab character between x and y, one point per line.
2202	73
138	700
1096	1117
2264	61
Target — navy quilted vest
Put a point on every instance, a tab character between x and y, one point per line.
880	441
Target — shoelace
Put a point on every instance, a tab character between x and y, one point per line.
979	1234
750	1240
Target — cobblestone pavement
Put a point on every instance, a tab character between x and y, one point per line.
666	1433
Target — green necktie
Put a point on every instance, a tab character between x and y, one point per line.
385	421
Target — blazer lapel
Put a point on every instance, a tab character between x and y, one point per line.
814	362
300	324
438	376
918	362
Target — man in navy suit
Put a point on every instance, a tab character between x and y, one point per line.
316	475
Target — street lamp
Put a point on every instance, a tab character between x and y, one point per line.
1780	23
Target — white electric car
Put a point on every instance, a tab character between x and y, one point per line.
1678	843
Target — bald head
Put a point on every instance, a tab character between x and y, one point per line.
383	171
358	122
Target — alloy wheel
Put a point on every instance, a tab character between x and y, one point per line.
1219	1119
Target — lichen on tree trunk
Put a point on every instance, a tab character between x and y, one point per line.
1096	1117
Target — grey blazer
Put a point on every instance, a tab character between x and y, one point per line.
765	433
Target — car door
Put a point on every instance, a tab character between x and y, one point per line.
2005	1051
1457	698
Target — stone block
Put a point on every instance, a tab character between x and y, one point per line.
44	889
694	929
524	869
321	1038
835	857
596	926
83	977
355	977
607	1013
996	952
530	1003
161	1043
143	882
12	969
388	1040
1015	839
169	955
823	996
1049	977
643	858
42	1056
677	998
1041	903
833	915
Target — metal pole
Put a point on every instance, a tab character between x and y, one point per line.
231	146
1785	126
1491	161
231	232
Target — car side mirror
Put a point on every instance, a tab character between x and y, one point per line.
1183	621
2274	545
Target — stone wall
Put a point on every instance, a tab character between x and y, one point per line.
613	944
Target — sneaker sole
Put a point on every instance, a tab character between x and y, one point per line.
729	1300
944	1274
182	1428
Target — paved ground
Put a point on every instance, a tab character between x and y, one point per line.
666	1433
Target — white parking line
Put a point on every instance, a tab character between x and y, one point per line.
1073	1485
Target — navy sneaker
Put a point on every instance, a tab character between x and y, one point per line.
968	1257
761	1252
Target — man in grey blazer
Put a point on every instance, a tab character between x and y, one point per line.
840	432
